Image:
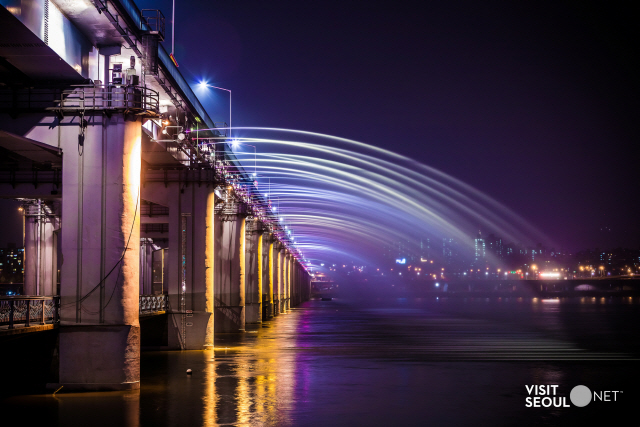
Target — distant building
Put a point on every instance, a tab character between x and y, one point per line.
425	248
494	247
11	264
481	249
450	251
401	250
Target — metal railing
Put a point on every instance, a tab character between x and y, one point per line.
108	97
153	303
154	20
28	309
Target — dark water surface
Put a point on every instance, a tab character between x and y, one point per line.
401	362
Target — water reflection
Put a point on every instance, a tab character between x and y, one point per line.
407	362
249	384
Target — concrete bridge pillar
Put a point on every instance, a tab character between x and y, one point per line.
254	276
295	283
282	282
100	333
277	276
292	285
190	281
287	282
189	195
299	288
267	277
230	273
41	226
146	266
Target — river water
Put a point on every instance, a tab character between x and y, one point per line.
394	362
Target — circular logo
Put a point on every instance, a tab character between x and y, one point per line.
580	395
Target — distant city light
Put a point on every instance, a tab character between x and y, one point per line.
553	274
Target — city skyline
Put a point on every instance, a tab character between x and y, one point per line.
490	252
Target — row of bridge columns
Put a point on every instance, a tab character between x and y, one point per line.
224	268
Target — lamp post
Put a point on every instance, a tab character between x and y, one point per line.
205	84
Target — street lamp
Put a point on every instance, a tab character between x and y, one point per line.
204	84
22	212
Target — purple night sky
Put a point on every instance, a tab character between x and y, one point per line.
533	103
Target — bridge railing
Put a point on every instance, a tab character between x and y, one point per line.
150	304
138	99
22	309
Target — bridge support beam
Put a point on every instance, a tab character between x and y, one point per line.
230	274
286	272
253	254
146	267
277	276
294	283
299	288
292	264
190	271
282	282
100	332
41	249
267	277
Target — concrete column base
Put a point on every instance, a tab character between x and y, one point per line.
100	357
267	311
229	319
276	307
253	313
188	331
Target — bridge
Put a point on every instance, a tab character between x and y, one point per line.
133	201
